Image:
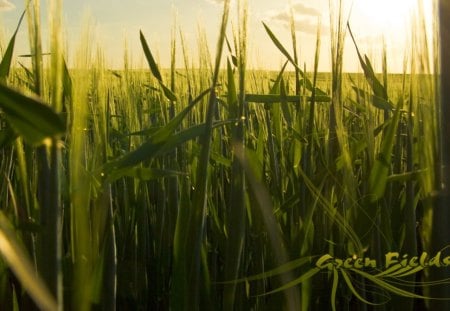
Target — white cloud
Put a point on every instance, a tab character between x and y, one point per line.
216	1
5	5
303	9
219	2
305	18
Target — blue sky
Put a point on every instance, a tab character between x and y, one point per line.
115	22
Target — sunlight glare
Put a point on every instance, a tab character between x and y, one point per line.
5	5
385	15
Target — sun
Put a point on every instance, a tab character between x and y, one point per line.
390	26
385	16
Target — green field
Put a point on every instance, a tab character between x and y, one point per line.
219	187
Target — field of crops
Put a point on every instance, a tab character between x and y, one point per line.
218	187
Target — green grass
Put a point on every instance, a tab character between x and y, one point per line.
215	187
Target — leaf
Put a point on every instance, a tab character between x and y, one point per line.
255	162
289	266
334	289
282	49
154	69
376	101
304	277
284	106
387	286
380	170
353	290
378	89
151	61
232	96
19	262
30	117
164	132
150	149
233	57
406	176
168	92
276	98
405	271
116	74
67	82
5	64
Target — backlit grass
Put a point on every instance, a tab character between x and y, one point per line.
216	187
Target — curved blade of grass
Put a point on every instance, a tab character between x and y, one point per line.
189	231
164	133
378	89
236	216
335	215
407	176
407	271
150	150
277	98
389	287
154	68
388	271
22	267
149	56
307	275
232	98
167	92
353	290
266	210
162	141
236	220
283	50
379	173
233	57
294	264
334	288
189	134
29	117
5	64
377	101
67	81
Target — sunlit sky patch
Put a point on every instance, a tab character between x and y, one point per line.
116	22
5	5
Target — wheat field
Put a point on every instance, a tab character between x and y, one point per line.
220	187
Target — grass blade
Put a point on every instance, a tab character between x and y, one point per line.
334	289
22	267
154	68
188	249
149	56
378	89
5	64
380	171
29	117
283	50
148	149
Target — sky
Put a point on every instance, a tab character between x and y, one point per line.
115	24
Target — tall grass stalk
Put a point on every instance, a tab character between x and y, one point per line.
188	264
50	243
237	210
55	214
308	161
80	190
